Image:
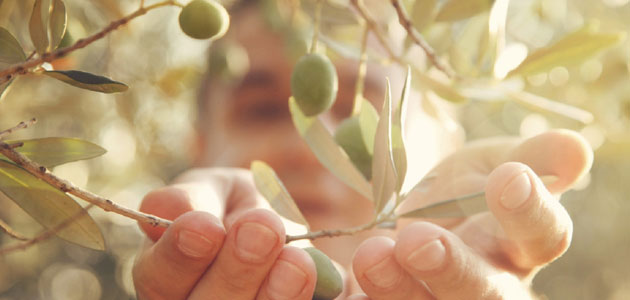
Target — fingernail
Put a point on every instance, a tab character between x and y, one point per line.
194	244
254	242
428	257
286	281
385	274
517	191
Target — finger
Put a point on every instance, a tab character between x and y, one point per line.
250	249
380	276
531	217
234	189
358	297
168	203
293	276
449	268
562	153
170	268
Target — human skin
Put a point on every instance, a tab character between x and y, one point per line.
235	250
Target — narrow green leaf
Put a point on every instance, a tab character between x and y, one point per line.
572	49
464	206
383	173
11	51
58	23
49	206
455	10
88	81
329	154
54	151
271	187
38	29
398	144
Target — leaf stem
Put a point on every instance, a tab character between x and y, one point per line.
318	16
23	68
11	232
358	88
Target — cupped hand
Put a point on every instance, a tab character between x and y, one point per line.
237	253
492	255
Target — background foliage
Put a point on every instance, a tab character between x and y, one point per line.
148	132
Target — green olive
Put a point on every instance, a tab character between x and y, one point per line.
314	84
204	19
329	283
348	136
357	141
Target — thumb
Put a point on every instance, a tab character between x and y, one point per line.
560	153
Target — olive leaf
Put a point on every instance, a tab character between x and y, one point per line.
383	173
574	48
54	151
332	14
441	89
49	206
545	105
463	206
398	145
88	81
38	28
329	154
10	49
455	10
271	187
58	23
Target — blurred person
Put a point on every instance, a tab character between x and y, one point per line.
224	245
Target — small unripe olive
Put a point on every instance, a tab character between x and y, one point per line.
329	283
314	83
204	19
350	137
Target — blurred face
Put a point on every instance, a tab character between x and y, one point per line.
250	120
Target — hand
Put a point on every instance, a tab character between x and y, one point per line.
238	253
492	255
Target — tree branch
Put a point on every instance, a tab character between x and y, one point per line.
23	68
417	38
65	186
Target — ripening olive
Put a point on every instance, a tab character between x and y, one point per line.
329	284
314	83
204	19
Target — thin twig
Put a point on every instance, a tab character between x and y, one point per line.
47	233
417	38
358	88
11	232
338	232
21	125
65	186
374	27
23	68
